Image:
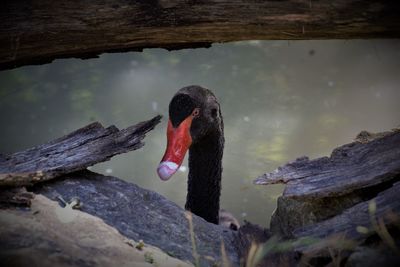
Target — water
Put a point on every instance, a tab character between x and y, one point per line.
280	100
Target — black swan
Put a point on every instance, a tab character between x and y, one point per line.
195	123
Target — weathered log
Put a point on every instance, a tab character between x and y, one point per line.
350	167
387	203
76	151
367	230
319	189
48	235
35	32
142	214
343	204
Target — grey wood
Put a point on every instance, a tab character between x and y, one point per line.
76	151
387	203
350	167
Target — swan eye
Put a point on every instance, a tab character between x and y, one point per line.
214	112
196	112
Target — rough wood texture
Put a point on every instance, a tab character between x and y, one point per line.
48	235
320	189
350	167
138	213
76	151
387	202
379	237
34	32
327	201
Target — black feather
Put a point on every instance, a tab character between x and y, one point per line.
180	107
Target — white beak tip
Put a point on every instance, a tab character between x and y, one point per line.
166	169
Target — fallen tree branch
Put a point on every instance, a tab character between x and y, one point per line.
36	32
76	151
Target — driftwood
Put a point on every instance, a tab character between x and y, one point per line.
350	196
350	167
48	235
387	205
73	152
142	214
36	32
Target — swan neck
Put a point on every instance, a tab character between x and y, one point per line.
204	180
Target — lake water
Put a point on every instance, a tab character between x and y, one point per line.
280	100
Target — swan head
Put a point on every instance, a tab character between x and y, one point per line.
194	114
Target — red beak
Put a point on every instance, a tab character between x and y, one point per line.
178	142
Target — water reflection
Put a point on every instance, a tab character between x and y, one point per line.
279	100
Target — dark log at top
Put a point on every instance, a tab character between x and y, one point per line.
76	151
35	32
361	164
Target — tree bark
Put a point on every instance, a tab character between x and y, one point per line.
76	151
37	32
